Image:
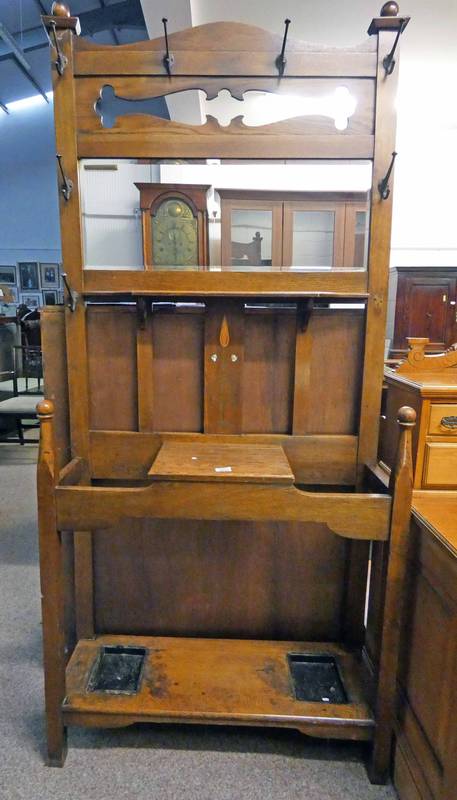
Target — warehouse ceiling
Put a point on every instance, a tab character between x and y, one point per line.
24	49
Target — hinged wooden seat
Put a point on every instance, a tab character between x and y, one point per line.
234	463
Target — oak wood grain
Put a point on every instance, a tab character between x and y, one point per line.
235	463
127	455
230	682
355	516
333	283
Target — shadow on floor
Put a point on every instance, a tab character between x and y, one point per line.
219	739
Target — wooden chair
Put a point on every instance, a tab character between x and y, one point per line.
27	363
247	254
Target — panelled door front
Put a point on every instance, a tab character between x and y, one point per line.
430	310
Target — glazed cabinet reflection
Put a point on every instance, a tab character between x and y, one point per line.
268	230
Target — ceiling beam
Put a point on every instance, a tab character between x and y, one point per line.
126	14
123	14
113	30
20	59
41	6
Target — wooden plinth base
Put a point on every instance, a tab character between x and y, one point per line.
219	681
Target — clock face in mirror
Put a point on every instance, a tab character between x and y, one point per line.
174	235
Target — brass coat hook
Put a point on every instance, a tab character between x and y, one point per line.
61	61
281	60
67	184
168	59
383	186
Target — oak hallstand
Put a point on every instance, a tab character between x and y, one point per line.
217	580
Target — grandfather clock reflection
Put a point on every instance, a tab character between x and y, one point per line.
175	226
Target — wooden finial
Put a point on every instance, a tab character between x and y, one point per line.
406	417
60	10
45	409
390	9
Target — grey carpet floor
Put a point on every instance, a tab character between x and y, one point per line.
165	762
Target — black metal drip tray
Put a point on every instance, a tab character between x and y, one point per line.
316	678
117	670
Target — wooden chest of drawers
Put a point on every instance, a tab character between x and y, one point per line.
426	728
434	440
434	397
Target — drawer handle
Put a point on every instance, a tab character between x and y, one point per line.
449	422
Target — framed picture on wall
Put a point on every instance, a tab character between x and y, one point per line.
8	294
49	297
28	274
31	299
8	275
49	274
14	294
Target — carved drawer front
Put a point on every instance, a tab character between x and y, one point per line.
443	419
440	465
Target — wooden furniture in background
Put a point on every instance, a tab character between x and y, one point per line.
427	383
426	729
205	579
345	214
426	307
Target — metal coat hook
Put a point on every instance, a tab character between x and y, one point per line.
281	60
62	61
304	311
67	184
168	59
383	186
141	313
72	296
389	60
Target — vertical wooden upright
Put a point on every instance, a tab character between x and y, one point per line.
75	313
386	28
52	588
386	692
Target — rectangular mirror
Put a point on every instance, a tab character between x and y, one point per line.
225	215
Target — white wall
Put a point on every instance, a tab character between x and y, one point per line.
424	220
111	220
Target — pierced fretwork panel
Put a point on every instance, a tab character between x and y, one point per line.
254	108
226	117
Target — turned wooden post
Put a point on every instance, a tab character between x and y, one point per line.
401	485
52	594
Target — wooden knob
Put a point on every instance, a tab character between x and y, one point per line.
406	416
45	409
390	10
60	10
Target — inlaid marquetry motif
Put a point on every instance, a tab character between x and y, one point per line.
224	334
